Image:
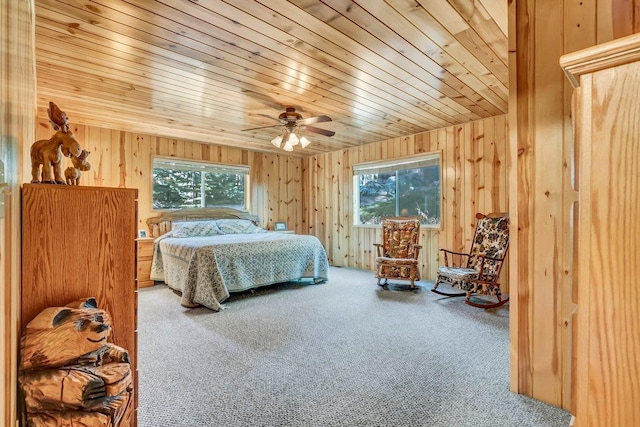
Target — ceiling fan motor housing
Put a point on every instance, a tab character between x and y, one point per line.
290	116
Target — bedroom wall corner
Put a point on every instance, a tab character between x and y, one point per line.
276	189
474	179
17	118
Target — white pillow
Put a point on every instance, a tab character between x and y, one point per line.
195	229
238	226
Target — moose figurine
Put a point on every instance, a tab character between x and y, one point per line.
48	152
72	174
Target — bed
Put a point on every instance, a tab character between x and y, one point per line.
206	254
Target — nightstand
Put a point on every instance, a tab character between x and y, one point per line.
144	248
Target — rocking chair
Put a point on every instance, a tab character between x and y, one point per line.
397	255
480	273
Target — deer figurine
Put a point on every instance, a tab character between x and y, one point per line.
72	174
48	152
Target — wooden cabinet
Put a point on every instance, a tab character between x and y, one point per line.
144	259
607	341
79	242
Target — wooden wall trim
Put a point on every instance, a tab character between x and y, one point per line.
514	221
606	55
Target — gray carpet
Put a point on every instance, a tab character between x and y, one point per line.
342	353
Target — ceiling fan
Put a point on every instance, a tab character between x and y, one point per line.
293	123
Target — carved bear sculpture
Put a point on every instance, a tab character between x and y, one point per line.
70	374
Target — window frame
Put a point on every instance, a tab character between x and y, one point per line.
244	169
387	163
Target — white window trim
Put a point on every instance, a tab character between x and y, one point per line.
240	169
400	161
372	166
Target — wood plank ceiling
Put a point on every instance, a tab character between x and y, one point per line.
206	70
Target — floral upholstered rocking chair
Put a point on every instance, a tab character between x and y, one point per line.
397	255
481	271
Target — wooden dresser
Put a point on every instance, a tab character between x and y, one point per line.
607	342
79	242
144	258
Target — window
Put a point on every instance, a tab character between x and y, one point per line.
399	187
185	184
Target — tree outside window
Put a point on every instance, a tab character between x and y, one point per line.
401	187
181	184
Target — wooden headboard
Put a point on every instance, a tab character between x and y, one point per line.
158	225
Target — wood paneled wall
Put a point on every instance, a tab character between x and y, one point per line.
539	335
314	195
474	179
17	116
542	177
124	159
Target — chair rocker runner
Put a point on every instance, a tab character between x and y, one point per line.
397	255
481	271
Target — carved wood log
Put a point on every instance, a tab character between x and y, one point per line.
119	416
70	419
74	388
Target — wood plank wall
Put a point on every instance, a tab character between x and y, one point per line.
584	24
314	195
474	179
124	159
542	194
17	116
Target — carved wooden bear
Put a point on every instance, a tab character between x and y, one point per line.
70	374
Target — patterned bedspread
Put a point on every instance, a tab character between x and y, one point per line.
207	269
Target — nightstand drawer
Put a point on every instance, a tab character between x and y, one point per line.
145	249
144	269
145	259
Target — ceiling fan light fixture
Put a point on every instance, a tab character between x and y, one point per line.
277	141
293	125
304	142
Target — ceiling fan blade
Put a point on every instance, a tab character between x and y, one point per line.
266	116
261	127
312	120
318	130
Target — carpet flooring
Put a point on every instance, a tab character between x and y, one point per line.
343	353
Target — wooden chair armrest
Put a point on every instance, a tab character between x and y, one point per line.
446	251
456	254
